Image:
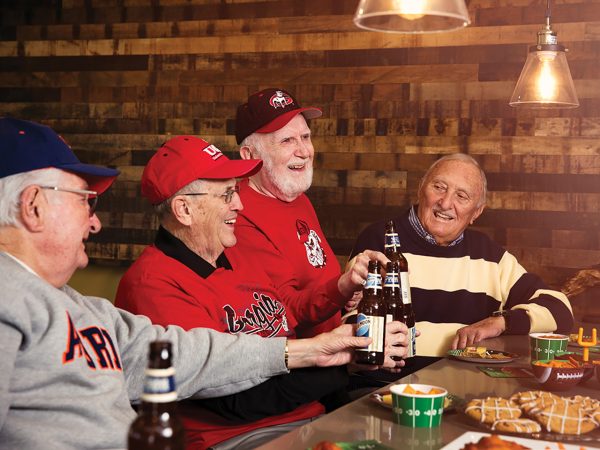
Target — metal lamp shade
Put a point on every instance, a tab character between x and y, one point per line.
545	81
411	16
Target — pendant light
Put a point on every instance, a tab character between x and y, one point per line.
545	81
411	16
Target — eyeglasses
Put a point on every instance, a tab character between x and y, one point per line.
91	197
227	196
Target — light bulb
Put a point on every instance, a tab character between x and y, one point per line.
546	81
411	9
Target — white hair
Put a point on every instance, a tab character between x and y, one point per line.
163	209
462	157
12	186
254	140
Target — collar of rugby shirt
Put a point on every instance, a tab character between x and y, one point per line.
416	224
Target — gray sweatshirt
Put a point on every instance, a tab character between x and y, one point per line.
70	364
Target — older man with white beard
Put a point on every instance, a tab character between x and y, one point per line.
279	224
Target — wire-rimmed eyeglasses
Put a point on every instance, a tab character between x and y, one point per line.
91	197
227	195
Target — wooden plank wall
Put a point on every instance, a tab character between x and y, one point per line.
117	77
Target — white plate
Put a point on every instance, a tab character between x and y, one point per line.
471	437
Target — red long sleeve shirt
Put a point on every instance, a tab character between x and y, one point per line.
287	239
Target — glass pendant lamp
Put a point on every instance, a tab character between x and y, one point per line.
545	81
411	16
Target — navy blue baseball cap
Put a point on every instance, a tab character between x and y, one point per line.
27	146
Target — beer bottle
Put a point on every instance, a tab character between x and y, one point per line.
391	246
392	297
157	426
371	319
393	252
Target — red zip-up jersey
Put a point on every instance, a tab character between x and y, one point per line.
173	286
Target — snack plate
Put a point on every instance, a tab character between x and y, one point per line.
471	437
543	436
451	402
503	357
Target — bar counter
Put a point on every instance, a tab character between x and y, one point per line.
363	419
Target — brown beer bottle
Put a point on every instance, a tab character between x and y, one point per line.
392	297
370	319
157	426
393	252
391	246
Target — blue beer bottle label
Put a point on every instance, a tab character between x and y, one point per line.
159	386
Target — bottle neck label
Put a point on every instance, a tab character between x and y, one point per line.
392	240
373	281
391	280
159	386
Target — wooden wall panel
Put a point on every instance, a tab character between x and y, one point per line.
118	77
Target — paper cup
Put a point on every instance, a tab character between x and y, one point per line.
417	410
547	345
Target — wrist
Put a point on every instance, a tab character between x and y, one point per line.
345	287
299	354
505	315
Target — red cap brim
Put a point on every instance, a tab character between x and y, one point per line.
233	168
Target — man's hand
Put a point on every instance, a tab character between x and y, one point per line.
396	344
352	304
484	329
353	279
326	349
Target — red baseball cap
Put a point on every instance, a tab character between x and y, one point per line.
183	159
267	111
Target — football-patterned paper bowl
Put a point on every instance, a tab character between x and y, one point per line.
418	405
556	378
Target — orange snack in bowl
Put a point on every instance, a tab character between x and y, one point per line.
556	363
410	390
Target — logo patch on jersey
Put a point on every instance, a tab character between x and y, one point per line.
280	100
265	317
312	244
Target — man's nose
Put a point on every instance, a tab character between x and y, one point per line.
236	202
95	225
303	149
445	200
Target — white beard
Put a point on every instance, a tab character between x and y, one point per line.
288	186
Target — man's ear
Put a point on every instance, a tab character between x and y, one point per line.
180	210
246	152
477	214
33	208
